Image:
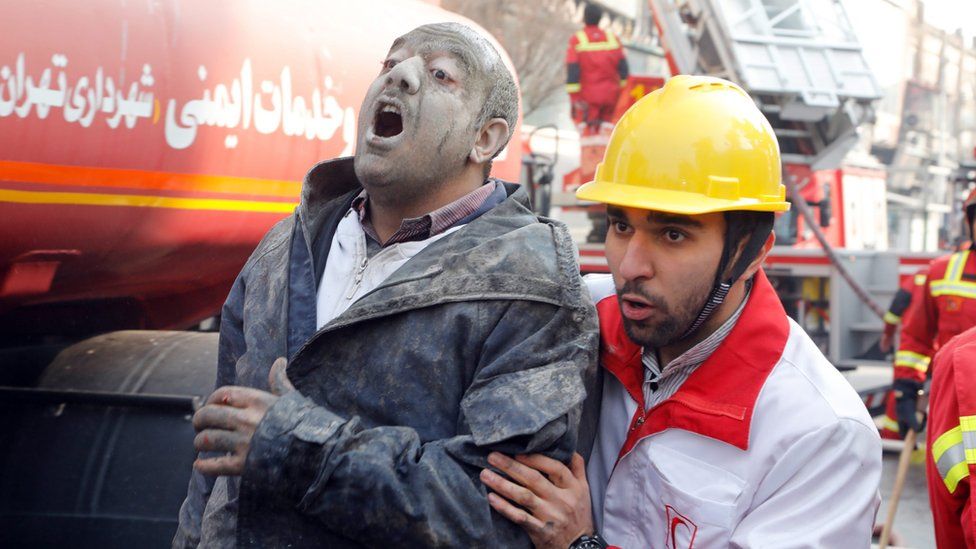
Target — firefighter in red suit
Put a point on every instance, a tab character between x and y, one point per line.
899	307
951	440
946	308
596	71
910	287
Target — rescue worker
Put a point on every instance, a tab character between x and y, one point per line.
900	304
946	308
413	298
596	70
721	424
951	439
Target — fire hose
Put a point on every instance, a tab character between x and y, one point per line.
800	203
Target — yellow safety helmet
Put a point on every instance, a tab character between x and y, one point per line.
697	145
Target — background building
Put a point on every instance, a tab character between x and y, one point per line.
923	131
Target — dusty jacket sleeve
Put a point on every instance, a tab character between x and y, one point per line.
384	486
918	334
231	347
823	492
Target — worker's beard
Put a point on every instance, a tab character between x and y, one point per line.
670	321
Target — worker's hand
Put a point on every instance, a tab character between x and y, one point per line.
906	406
578	110
553	501
227	422
885	343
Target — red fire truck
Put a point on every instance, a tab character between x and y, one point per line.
145	148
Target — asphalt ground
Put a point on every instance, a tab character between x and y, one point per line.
913	520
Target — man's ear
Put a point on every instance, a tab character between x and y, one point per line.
760	257
490	140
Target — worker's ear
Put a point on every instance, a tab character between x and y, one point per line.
489	141
760	257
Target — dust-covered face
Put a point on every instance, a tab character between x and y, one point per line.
417	124
663	268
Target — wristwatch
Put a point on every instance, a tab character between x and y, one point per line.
589	542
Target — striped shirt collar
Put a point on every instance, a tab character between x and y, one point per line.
428	225
687	361
719	398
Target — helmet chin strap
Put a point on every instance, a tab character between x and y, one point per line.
721	288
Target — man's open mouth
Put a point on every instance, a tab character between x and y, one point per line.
388	121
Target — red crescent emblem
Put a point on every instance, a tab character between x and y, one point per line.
676	520
674	524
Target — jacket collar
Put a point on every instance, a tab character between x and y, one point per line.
718	399
505	254
325	182
448	270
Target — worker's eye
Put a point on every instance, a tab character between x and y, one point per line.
674	235
440	74
618	226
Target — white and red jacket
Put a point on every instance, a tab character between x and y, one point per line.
764	445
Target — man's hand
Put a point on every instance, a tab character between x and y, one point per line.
885	343
554	499
906	406
578	110
227	422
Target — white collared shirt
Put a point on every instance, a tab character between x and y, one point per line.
350	273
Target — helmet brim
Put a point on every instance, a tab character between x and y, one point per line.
671	201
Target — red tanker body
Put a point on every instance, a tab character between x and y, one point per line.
145	147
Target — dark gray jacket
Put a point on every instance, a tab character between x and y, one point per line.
481	342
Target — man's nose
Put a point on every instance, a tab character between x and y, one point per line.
636	262
406	75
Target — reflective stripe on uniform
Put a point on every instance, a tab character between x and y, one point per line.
909	359
598	140
920	279
889	423
952	283
891	318
573	88
949	456
584	43
954	451
956	264
968	426
961	289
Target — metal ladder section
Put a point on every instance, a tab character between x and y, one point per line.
799	59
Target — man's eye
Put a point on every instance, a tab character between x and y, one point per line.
619	226
389	64
674	236
439	74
